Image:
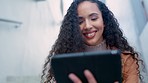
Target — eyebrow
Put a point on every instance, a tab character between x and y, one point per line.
96	14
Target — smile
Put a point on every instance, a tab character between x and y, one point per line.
90	35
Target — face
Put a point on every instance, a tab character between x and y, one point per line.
91	23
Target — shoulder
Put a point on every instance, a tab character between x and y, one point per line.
129	67
129	62
128	57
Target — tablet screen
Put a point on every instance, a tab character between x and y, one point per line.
105	66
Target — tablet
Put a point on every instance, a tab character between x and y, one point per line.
105	66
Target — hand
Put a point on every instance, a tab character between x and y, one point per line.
89	76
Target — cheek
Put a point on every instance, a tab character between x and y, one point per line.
100	25
81	29
102	28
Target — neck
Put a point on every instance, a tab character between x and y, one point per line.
100	46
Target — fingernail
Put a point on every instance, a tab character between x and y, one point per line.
116	82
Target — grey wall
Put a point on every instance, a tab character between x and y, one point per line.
134	31
144	40
23	49
140	17
124	13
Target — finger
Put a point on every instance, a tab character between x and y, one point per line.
74	78
89	76
116	82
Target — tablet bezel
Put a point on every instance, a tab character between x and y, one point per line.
108	71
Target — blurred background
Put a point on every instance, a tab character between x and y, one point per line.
28	29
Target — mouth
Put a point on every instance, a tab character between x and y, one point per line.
89	35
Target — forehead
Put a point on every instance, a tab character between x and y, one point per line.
87	7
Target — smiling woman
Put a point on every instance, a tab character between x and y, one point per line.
91	23
90	26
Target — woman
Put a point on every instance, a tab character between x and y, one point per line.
90	26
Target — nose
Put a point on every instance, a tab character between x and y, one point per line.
88	24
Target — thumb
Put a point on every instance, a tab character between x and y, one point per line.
116	82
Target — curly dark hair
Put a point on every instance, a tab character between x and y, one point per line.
70	40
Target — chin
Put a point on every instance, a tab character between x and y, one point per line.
91	43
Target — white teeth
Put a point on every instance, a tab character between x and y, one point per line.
90	34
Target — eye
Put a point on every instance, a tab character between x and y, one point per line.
93	18
81	20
